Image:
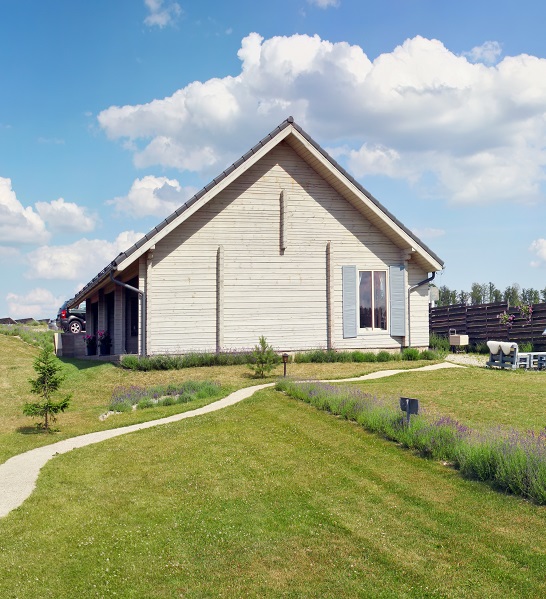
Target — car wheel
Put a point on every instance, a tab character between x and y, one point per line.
75	327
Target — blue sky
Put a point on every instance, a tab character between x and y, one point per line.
113	113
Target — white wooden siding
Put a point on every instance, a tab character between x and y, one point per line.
419	307
265	292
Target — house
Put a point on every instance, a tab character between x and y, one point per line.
285	244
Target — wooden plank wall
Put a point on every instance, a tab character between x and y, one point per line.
481	323
283	294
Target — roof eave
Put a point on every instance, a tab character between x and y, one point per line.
411	241
286	128
206	194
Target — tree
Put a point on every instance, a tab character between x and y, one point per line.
447	296
45	385
477	294
463	297
530	296
263	358
495	295
511	295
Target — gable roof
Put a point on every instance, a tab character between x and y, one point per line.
320	161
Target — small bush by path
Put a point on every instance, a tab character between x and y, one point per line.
125	398
513	462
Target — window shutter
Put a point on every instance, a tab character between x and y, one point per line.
397	300
349	301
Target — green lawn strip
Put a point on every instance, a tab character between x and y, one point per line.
267	498
478	397
91	384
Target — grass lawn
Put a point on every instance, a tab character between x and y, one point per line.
91	384
478	397
268	498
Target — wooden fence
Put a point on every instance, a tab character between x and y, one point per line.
481	323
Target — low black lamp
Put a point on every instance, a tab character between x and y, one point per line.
285	361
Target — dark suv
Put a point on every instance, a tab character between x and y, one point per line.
71	320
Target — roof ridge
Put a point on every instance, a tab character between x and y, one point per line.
288	122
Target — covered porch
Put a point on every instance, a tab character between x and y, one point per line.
114	314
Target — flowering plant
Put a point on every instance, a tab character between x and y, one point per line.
506	319
90	340
104	338
526	312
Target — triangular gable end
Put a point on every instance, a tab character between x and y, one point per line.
317	159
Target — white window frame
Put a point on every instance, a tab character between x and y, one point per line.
373	328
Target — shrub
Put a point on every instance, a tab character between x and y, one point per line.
439	342
121	406
480	348
124	398
316	356
410	353
263	358
331	356
384	356
189	360
145	403
526	347
429	354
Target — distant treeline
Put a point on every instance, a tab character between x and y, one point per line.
487	293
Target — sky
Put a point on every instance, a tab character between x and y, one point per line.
112	114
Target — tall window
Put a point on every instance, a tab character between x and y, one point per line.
372	291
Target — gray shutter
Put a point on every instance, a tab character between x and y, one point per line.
397	289
349	301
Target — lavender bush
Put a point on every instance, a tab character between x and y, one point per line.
189	360
124	398
512	461
239	357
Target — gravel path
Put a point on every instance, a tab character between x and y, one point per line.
467	359
19	474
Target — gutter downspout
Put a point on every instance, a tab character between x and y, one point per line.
412	288
143	313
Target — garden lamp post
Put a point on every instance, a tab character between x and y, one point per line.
285	362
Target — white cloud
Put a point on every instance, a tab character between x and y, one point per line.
462	131
79	260
538	247
27	226
488	53
66	217
18	225
152	196
372	160
38	303
324	3
429	233
162	13
8	253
